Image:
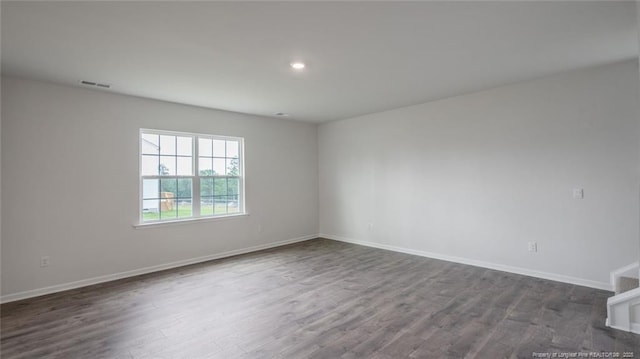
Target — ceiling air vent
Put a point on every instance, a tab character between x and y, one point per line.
96	84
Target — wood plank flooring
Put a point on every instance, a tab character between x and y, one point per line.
315	299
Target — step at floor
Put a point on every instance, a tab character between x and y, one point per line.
627	284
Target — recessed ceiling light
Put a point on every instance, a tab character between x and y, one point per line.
297	65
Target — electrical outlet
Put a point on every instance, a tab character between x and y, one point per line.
578	193
259	228
533	247
370	226
44	261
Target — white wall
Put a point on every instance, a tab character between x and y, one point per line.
70	185
638	27
475	177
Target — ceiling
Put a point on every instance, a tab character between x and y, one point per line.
361	57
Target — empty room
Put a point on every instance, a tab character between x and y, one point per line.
320	179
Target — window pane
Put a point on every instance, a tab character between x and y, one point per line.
206	187
220	206
167	145
185	166
168	209
219	148
204	147
150	210
168	187
205	167
206	206
233	186
167	166
220	186
150	189
184	208
184	188
172	156
150	165
232	149
232	204
232	167
150	144
185	147
219	167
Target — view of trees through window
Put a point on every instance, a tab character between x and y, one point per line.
185	176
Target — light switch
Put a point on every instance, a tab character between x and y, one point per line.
578	193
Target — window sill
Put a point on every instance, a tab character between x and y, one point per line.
188	220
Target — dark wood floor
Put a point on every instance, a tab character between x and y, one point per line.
316	299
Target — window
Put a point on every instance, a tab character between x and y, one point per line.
184	175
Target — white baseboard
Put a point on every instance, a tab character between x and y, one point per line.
110	277
635	327
473	262
630	270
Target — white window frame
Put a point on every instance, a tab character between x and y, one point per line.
195	177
